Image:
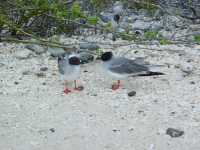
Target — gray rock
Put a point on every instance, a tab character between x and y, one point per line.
124	25
192	82
43	69
80	38
157	27
131	32
52	130
136	17
120	30
174	132
129	20
34	40
20	45
163	22
164	33
22	54
170	28
56	52
87	39
175	21
142	12
36	48
147	19
132	93
92	94
143	28
35	29
91	46
86	57
190	37
111	36
155	16
81	87
140	111
197	32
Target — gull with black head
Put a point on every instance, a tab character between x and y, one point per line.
124	68
69	70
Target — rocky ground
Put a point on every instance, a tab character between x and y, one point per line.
36	114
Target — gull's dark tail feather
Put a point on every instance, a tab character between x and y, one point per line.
152	74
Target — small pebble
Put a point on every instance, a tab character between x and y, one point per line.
43	69
92	94
130	94
131	128
85	71
16	82
192	82
174	132
52	130
140	111
114	130
44	83
81	87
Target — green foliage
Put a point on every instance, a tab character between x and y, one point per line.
98	51
165	41
96	3
160	35
195	28
197	38
101	52
57	38
75	10
188	39
92	20
127	37
146	5
153	33
106	25
89	49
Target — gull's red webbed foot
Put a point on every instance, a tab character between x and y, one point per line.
67	91
78	89
114	87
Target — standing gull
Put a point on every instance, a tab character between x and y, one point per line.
123	68
113	20
69	70
118	7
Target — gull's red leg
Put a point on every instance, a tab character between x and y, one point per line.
78	89
114	87
67	90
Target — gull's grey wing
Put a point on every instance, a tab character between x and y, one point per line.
62	63
130	67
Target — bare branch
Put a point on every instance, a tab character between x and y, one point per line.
49	45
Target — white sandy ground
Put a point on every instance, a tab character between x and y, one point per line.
81	122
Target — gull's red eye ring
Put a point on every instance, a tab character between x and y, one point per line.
104	56
75	60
